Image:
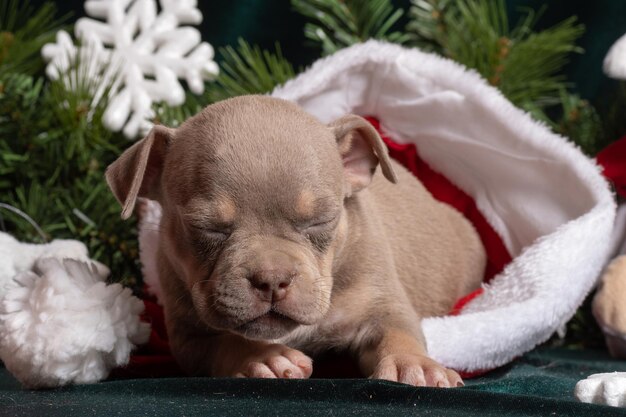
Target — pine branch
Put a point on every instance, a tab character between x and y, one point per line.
18	95
54	150
77	112
23	31
427	28
582	331
524	64
85	211
174	116
574	118
336	24
612	113
580	122
531	69
249	70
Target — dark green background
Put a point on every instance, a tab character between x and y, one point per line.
268	21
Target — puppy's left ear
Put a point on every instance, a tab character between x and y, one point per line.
137	172
361	150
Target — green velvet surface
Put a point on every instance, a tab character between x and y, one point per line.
539	384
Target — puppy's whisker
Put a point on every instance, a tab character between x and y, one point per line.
179	299
156	225
151	229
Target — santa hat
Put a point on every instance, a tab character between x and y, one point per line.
547	201
542	207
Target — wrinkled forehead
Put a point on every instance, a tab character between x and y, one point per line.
225	209
272	181
256	155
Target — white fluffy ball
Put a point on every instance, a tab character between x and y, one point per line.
63	324
608	388
16	257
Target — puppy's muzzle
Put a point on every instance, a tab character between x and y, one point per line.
272	285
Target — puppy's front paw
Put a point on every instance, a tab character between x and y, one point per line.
276	361
416	370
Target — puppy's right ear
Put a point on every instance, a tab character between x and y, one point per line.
361	150
137	173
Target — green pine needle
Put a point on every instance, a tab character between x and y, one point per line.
249	70
53	153
23	31
173	116
524	64
532	68
336	24
427	27
575	119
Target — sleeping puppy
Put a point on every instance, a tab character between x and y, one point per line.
279	236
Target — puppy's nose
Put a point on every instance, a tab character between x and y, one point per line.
271	285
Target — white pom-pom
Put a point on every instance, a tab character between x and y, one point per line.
615	61
64	324
608	388
19	257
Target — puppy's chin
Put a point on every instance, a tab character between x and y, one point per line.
270	325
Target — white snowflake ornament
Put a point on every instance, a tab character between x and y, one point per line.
140	52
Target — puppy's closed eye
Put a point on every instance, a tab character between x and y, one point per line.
212	231
320	232
320	224
213	234
207	240
211	220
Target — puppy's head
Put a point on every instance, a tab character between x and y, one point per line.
253	191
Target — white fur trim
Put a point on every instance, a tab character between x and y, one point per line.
618	239
547	201
149	223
